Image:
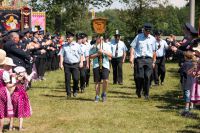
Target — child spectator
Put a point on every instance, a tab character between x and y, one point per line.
5	104
20	100
11	81
187	79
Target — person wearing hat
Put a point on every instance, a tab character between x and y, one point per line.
54	50
186	45
190	33
6	108
20	57
118	58
26	38
143	53
79	38
159	69
71	58
3	38
3	94
101	54
20	99
41	57
10	81
88	47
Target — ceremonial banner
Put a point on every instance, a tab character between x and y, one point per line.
26	17
38	21
99	25
10	19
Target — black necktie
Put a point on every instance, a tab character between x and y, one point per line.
116	51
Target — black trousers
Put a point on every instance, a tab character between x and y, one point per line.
135	78
143	74
40	64
117	70
54	62
159	70
88	75
71	70
83	76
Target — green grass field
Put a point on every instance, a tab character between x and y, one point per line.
122	112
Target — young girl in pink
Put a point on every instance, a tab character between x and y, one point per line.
11	84
195	91
5	101
20	100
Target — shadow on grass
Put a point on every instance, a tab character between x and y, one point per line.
6	128
127	87
39	87
60	81
172	102
80	99
71	99
121	97
118	92
49	88
58	90
173	72
54	96
191	129
171	98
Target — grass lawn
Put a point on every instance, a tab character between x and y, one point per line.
122	112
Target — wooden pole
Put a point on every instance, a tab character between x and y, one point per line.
192	12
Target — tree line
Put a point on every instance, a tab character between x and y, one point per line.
75	15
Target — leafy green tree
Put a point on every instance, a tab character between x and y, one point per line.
136	13
114	22
67	14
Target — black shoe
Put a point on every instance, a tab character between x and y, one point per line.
75	94
114	83
138	94
146	97
156	85
68	96
82	90
87	85
120	83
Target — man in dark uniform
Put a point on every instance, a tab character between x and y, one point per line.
71	58
26	35
40	61
20	57
79	39
88	47
118	58
161	47
143	50
190	35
